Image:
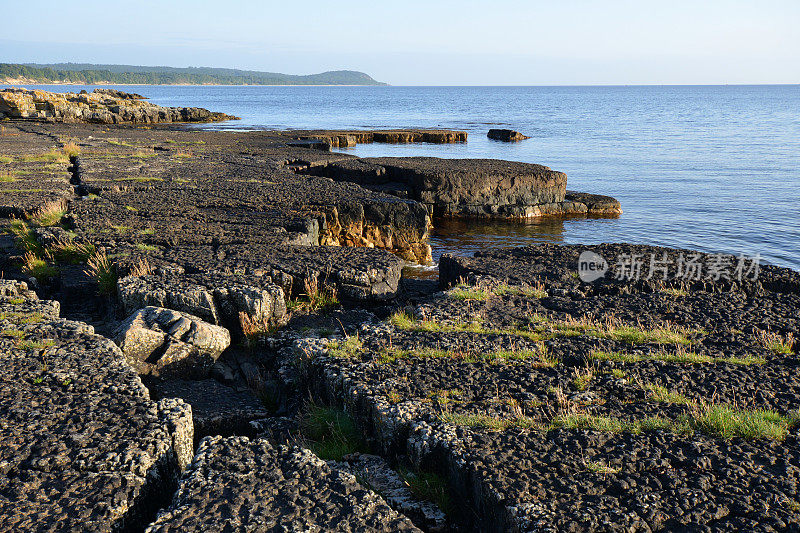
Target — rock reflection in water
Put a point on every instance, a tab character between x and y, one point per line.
467	236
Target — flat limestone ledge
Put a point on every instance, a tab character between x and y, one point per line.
82	446
327	139
209	199
239	484
453	187
33	174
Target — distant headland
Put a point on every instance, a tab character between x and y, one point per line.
91	74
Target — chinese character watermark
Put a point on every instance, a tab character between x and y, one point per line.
679	266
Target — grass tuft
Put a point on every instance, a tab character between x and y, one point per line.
71	149
777	343
429	487
601	467
38	268
465	292
330	432
103	271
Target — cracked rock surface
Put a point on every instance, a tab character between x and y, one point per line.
239	484
82	446
167	343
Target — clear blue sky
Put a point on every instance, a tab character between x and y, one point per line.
411	42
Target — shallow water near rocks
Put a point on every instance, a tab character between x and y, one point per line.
713	168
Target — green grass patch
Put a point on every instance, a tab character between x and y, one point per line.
659	393
600	467
40	269
530	292
682	357
6	159
13	333
727	422
716	420
35	345
147	247
141	179
330	432
678	293
347	349
429	487
463	292
480	420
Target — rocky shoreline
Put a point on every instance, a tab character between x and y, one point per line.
211	331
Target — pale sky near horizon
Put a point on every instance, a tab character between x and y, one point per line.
413	42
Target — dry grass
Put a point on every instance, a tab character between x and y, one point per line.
141	268
778	343
103	271
71	149
48	215
316	298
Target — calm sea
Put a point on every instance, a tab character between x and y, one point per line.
715	168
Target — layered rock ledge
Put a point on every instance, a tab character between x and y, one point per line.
102	106
325	140
483	188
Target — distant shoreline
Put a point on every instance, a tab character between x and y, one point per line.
103	84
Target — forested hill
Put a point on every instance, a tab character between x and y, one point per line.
89	74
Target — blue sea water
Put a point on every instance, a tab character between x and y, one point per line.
714	168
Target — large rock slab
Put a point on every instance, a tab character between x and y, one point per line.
459	187
102	106
168	343
241	485
82	445
342	139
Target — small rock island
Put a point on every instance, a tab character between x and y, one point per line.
207	330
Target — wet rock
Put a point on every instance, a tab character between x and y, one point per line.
596	204
163	342
506	135
238	484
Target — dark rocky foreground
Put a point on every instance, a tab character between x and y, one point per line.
247	292
550	404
